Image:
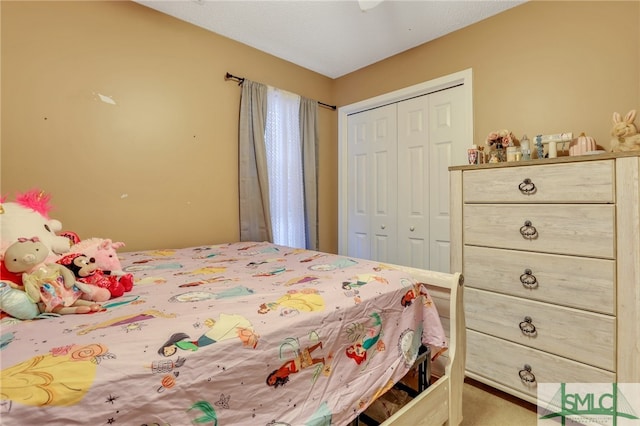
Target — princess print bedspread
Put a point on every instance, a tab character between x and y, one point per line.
231	334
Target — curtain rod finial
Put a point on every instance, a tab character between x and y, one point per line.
229	76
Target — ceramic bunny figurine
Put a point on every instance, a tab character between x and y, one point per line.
625	133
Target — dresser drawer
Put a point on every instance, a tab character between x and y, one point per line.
581	229
501	361
586	182
583	336
577	282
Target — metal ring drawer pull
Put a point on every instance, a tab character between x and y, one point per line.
528	231
527	327
527	187
528	280
526	375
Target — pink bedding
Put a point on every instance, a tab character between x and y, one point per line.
232	334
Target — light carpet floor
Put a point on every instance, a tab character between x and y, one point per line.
484	406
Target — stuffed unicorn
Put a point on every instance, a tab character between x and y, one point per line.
29	216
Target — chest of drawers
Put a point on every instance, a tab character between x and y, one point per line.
550	251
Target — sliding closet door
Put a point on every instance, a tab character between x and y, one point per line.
372	184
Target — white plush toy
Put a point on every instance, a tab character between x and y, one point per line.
29	216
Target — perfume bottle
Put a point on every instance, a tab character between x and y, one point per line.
525	147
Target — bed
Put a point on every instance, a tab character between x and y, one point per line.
238	334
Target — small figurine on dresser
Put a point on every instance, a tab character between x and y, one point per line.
497	142
472	154
625	133
539	147
525	148
582	145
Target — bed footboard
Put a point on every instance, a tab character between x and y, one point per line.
441	403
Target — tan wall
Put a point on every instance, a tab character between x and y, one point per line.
169	143
158	168
539	68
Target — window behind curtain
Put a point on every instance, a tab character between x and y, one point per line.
284	164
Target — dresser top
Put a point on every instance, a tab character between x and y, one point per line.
565	159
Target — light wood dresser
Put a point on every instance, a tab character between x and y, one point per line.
550	252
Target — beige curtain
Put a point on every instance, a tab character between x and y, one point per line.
255	219
309	140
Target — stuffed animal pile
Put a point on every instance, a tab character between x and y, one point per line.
44	274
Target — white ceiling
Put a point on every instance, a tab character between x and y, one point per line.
332	38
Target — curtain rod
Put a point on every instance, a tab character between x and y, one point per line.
240	80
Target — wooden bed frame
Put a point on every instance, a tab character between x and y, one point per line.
441	402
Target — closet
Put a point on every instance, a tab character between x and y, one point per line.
397	183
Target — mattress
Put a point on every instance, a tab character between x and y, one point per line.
247	333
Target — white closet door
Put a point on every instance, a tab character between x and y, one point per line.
448	122
435	139
398	178
413	182
371	193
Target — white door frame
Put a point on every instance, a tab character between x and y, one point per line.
464	77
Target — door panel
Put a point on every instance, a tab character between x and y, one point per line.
372	198
447	130
384	179
413	174
359	242
360	245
